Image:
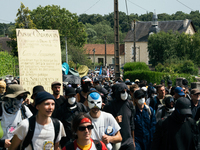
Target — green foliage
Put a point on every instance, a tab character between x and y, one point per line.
8	64
54	17
23	21
156	77
165	46
76	55
178	66
132	66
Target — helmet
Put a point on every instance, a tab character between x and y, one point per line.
85	79
94	100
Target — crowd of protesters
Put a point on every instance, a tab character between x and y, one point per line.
100	113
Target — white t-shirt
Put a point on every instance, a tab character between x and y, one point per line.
100	124
43	136
9	122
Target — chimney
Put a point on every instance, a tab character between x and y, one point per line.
185	23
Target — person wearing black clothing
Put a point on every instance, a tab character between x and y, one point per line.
123	111
178	131
67	112
55	87
195	104
31	106
156	101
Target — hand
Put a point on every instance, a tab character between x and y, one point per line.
27	101
106	139
119	118
7	143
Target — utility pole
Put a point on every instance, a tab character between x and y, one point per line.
66	49
105	53
134	43
94	57
116	31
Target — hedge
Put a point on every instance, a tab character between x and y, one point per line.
156	77
133	66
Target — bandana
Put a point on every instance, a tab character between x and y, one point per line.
13	105
84	120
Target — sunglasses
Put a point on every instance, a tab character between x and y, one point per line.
82	128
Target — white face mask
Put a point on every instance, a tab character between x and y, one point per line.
171	109
71	100
141	101
124	96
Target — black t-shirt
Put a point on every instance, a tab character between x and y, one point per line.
194	108
58	103
126	109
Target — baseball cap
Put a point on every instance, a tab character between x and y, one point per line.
139	94
183	105
36	89
179	90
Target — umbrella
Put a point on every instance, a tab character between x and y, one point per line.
101	77
72	79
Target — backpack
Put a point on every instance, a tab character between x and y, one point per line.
97	143
31	128
149	111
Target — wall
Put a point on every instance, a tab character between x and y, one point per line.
141	52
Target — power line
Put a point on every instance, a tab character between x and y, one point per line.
5	20
185	5
138	6
91	6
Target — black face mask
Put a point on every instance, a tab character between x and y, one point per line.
86	87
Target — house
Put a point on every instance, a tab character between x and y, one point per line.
3	44
99	55
142	31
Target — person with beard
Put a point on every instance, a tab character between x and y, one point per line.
86	84
102	120
178	131
55	86
167	109
144	121
123	110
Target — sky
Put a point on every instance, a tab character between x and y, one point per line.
8	8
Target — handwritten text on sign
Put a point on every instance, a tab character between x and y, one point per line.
39	58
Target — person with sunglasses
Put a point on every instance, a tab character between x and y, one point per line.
82	129
12	112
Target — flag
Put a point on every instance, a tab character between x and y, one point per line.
100	71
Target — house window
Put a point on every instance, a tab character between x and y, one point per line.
100	61
113	60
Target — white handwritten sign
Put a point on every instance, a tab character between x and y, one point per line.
39	58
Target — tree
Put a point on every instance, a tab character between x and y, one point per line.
7	64
23	21
164	47
77	55
54	17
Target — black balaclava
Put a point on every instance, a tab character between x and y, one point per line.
86	87
118	89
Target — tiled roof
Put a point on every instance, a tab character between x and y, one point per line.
3	44
142	29
100	49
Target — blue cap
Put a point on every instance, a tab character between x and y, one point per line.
179	90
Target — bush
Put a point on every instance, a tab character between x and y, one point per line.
7	64
156	77
133	66
180	66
